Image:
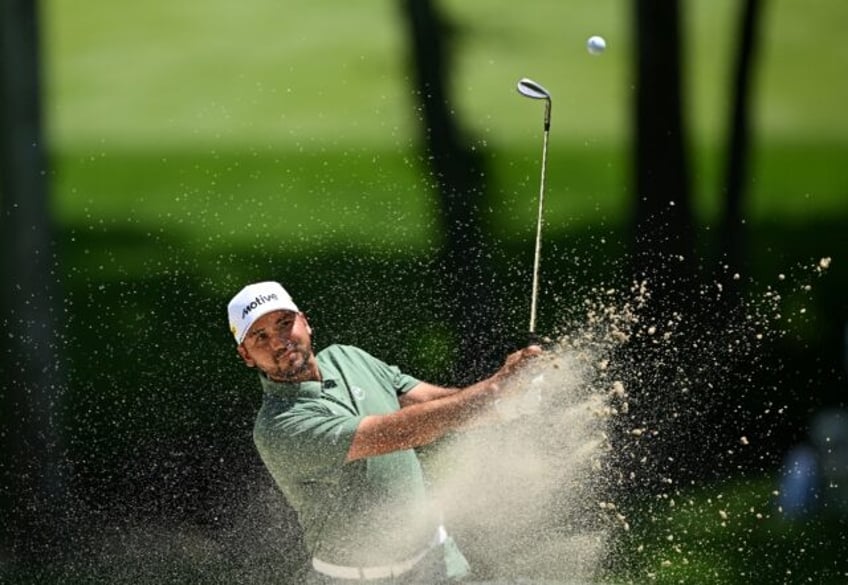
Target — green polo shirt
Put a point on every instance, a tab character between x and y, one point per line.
367	512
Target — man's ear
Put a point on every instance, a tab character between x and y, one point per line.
245	356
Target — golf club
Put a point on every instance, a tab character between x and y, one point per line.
529	88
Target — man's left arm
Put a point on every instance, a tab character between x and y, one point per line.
424	392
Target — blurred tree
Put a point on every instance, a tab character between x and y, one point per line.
458	174
663	240
29	367
664	246
733	233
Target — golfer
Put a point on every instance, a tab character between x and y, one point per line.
337	431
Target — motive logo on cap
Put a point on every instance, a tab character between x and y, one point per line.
256	300
261	299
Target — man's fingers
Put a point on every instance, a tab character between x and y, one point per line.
529	352
516	359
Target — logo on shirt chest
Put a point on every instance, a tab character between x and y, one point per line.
357	393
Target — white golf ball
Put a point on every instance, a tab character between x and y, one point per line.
596	45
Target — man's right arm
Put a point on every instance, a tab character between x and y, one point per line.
422	421
425	392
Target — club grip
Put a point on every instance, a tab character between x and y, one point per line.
534	338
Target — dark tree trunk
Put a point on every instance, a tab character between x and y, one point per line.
691	385
30	469
458	174
663	257
663	239
733	233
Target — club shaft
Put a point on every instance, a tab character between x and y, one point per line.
538	251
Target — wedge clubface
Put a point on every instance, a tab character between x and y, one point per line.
531	89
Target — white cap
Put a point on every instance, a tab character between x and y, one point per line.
256	300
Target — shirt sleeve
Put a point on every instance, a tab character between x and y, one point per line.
400	382
307	442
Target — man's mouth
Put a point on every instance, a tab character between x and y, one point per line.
287	354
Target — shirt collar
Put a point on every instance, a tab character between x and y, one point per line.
312	388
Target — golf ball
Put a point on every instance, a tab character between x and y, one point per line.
596	45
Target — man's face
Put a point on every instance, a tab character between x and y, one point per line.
280	344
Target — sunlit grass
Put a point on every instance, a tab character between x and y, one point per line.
216	200
232	127
314	75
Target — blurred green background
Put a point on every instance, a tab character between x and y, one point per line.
196	146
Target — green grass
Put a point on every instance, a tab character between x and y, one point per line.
733	532
192	137
229	125
381	200
219	200
311	75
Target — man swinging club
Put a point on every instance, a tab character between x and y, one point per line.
337	431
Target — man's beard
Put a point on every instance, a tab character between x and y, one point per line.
291	372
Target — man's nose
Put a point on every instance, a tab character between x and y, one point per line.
279	341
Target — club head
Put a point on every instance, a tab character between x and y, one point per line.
529	88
